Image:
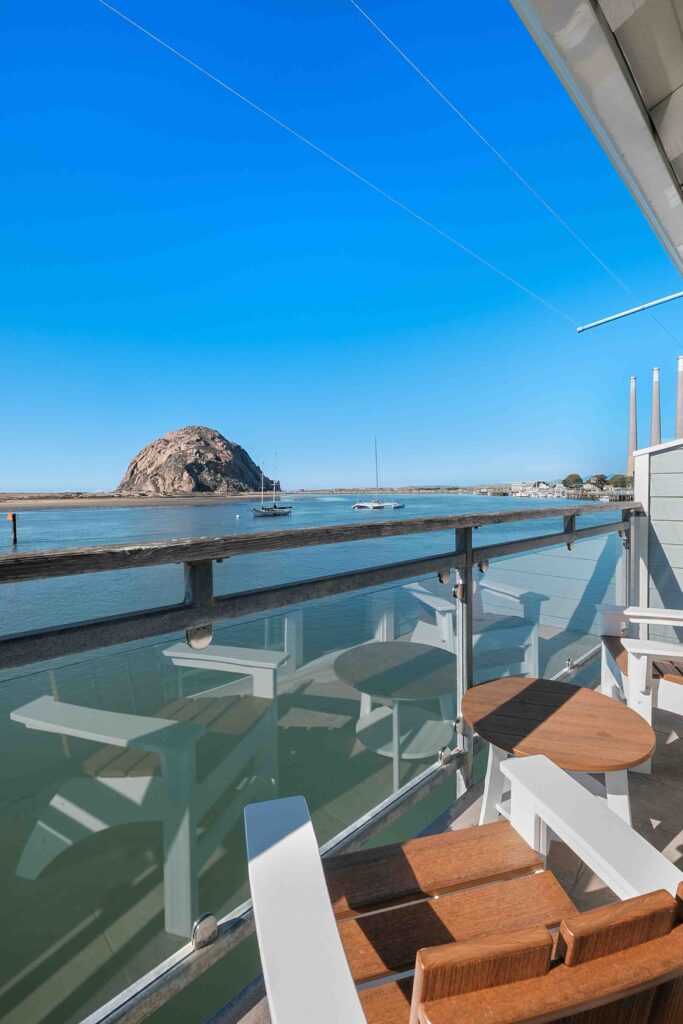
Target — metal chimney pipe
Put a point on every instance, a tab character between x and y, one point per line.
632	429
679	399
656	423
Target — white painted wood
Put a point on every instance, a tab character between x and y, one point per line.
154	734
261	665
611	682
382	615
307	977
666	616
653	649
666	509
494	785
222	658
616	784
666	485
542	795
294	639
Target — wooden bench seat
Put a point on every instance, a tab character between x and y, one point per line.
389	1003
381	944
430	866
226	720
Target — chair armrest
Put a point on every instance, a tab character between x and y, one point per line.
227	659
654	648
433	601
503	590
307	976
543	796
157	735
655	616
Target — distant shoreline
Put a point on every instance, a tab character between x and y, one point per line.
25	502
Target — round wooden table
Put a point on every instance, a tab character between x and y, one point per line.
578	729
401	672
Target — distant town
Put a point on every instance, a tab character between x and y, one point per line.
598	486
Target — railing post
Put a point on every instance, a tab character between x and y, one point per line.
464	669
199	595
624	597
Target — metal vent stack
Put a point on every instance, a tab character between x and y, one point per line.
656	422
632	427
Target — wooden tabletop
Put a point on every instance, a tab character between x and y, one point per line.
397	670
578	729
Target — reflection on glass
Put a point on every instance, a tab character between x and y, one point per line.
125	772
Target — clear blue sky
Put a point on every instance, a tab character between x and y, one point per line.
170	257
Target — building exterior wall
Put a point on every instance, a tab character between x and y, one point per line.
659	486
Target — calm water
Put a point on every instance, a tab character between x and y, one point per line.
51	602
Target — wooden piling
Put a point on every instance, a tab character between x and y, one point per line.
12	517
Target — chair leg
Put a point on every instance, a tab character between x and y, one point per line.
610	676
616	784
264	682
448	705
531	662
494	785
396	737
180	845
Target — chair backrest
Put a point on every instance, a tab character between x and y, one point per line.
623	962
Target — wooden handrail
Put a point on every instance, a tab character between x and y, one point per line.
33	565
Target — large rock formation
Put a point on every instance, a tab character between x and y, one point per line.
191	461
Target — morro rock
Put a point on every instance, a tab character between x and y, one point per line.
193	460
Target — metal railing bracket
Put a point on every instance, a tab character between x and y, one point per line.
204	931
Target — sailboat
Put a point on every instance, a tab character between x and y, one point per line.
267	511
376	505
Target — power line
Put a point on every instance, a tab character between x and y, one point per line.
506	163
338	163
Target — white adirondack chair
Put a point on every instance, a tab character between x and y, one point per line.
307	972
644	673
505	626
259	666
174	768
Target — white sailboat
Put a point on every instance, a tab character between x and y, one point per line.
377	504
268	511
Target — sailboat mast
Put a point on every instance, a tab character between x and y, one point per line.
376	472
274	477
262	487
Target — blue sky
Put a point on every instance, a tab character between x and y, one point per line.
170	257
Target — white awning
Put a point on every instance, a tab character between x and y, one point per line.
622	63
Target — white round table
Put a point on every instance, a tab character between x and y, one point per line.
401	672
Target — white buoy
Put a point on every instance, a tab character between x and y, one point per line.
237	516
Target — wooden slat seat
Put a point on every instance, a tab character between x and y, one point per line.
226	720
430	866
380	944
389	1003
671	671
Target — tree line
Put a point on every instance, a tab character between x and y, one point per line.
576	482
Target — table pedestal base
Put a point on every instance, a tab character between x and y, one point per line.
408	734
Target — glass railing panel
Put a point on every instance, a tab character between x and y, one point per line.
538	611
128	767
